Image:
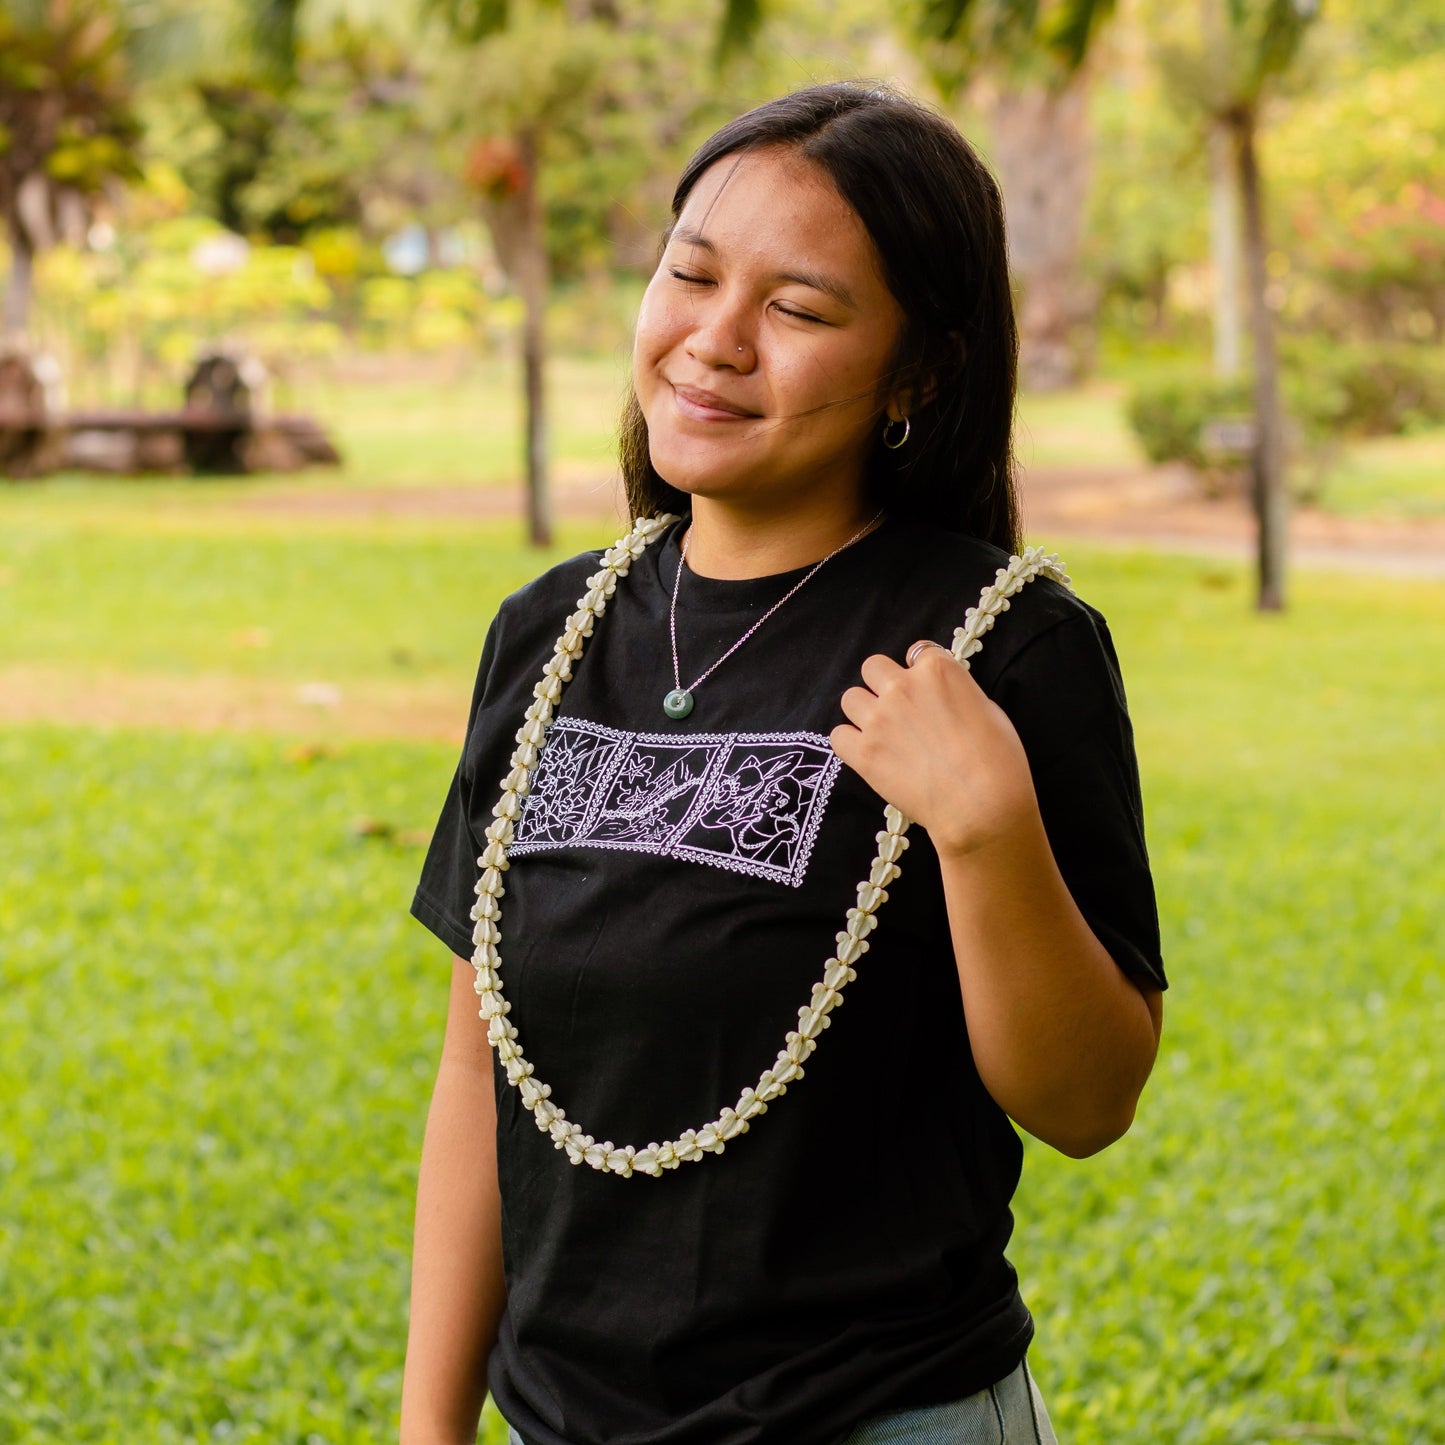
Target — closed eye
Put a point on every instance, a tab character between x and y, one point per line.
800	315
691	278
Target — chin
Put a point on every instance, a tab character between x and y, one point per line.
692	485
699	476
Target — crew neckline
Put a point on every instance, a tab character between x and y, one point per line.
741	594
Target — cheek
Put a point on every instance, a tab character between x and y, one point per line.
655	333
843	378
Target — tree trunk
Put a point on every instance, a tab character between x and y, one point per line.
1270	502
1224	222
539	505
518	228
20	287
1041	143
1224	229
532	283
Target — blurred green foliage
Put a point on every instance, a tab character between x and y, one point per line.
371	132
66	112
1352	163
159	291
1358	175
1366	388
68	132
153	300
1333	390
1148	206
1386	33
1170	415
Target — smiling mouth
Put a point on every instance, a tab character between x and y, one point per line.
707	406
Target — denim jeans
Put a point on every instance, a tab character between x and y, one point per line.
1007	1413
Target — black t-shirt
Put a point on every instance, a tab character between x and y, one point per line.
675	891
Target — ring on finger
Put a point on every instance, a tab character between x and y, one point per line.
916	650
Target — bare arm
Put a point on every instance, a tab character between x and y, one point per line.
457	1291
1063	1041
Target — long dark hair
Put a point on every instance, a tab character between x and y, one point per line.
935	215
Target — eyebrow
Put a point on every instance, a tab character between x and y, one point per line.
815	279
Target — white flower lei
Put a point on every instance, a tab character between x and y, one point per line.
852	943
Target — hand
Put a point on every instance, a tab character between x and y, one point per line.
928	740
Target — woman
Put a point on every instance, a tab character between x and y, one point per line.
685	788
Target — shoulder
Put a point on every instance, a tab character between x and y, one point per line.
953	569
525	630
564	582
541	607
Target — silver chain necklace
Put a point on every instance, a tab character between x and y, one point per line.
678	703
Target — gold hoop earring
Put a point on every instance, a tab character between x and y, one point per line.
887	439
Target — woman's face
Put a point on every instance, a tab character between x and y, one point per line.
763	338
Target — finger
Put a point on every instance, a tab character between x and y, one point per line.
919	648
844	740
858	704
879	671
936	662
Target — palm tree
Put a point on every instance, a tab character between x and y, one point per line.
1026	63
1246	48
530	72
67	129
527	75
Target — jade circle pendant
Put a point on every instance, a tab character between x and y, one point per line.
678	703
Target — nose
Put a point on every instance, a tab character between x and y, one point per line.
721	338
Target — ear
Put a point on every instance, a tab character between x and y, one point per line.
909	400
912	397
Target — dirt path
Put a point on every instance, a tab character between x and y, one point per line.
218	702
1161	507
1130	506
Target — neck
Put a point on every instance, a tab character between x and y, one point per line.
730	545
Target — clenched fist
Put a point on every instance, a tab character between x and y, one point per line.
930	742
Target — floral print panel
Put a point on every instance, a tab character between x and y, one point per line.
750	802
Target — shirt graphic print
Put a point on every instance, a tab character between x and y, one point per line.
749	802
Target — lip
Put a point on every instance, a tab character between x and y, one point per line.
701	405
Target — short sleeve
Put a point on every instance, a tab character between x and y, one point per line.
447	887
1064	694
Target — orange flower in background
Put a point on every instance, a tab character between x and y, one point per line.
494	167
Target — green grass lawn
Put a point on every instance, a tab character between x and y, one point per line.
1080	428
1261	1253
1401	476
399	599
465	431
220	1027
